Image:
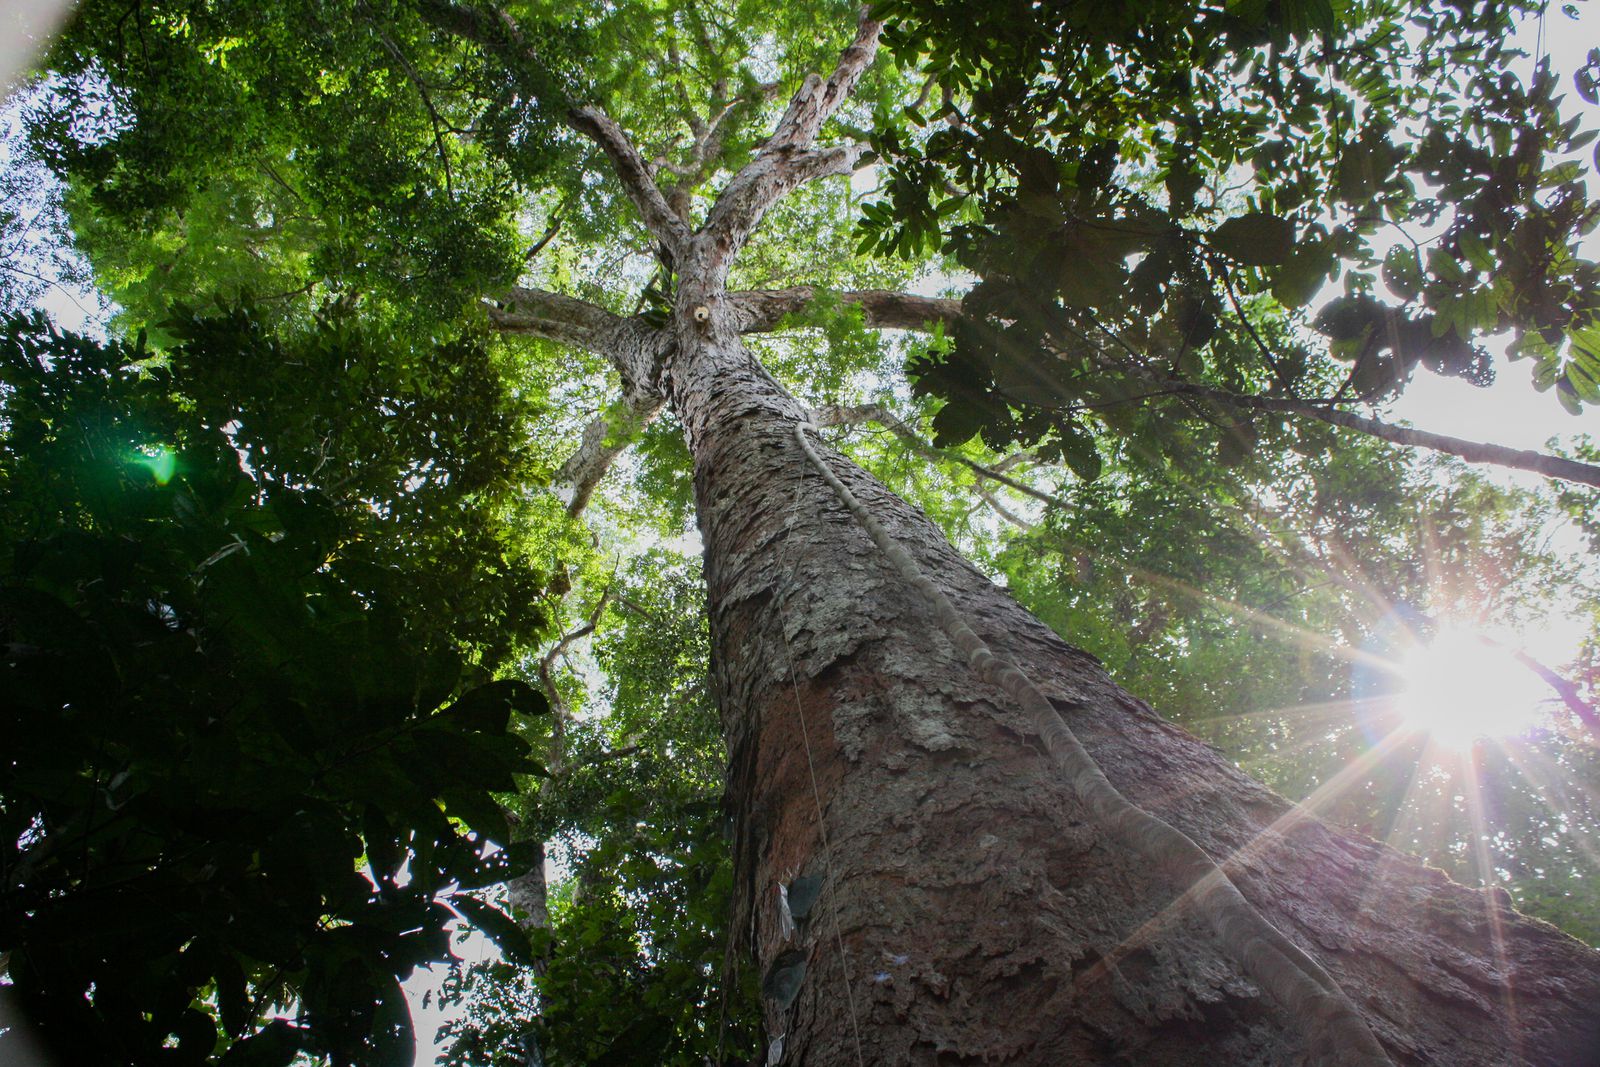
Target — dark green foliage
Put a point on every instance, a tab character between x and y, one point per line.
234	763
422	449
1143	188
635	963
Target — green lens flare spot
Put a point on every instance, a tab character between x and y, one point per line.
160	462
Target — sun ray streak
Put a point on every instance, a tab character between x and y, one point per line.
1259	843
1492	905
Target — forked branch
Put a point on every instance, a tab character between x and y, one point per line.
788	160
634	174
816	100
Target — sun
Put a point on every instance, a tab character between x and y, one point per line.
1460	687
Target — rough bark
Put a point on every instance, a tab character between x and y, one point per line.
973	910
759	310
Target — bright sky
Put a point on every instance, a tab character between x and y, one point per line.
1510	412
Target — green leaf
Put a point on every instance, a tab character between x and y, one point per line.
274	1045
1255	239
1079	450
1402	272
497	926
394	1041
479	811
487	708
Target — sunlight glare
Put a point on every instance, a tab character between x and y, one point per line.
1458	688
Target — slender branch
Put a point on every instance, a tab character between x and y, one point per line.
549	235
837	415
497	31
1473	451
1328	411
427	102
1001	510
1294	540
1568	692
548	661
1238	309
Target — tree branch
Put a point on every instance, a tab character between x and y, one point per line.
604	439
415	78
761	310
763	182
839	415
555	317
1582	709
788	160
1472	451
1327	411
497	31
816	101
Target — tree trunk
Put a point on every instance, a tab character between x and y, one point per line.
971	909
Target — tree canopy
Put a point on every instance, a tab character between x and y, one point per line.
335	619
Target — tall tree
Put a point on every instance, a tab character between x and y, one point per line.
954	837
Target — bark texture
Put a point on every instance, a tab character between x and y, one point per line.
971	909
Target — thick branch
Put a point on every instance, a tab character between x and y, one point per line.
540	313
604	439
763	182
1582	709
788	160
816	101
761	310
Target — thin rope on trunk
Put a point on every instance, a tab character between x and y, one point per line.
1337	1034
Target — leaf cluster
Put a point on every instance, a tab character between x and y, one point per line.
243	791
1140	188
634	963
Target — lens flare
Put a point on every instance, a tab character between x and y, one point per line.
1460	687
160	462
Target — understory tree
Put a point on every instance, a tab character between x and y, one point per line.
942	832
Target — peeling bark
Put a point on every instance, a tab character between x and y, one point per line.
604	439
